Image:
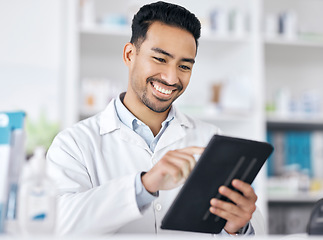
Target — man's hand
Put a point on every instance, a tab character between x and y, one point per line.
171	170
240	213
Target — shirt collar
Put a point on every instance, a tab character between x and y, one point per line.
110	121
127	118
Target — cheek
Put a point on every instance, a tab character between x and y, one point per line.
151	69
144	69
136	72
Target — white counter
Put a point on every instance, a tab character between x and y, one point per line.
159	237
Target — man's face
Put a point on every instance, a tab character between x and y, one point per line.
161	68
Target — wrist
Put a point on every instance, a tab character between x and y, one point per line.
238	232
146	185
233	234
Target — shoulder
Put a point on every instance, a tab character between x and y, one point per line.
92	127
87	127
78	135
196	124
203	125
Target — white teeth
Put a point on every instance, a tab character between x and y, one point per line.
162	90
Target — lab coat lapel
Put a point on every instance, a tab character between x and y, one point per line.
132	137
175	131
110	122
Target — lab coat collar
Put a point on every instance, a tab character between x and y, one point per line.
109	120
182	118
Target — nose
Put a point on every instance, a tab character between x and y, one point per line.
169	75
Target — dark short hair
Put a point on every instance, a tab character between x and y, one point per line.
166	13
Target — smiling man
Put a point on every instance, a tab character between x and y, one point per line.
160	68
120	170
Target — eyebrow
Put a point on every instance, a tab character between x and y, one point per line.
159	50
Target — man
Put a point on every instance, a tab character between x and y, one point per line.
120	170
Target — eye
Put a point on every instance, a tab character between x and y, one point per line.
184	67
160	59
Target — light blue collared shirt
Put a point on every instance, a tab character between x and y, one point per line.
143	197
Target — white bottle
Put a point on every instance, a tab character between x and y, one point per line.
37	198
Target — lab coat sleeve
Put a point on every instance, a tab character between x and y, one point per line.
258	223
81	207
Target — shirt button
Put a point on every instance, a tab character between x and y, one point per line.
158	207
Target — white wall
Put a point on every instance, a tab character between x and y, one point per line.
30	56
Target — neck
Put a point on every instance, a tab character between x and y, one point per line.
152	119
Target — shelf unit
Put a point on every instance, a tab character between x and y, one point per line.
294	67
95	51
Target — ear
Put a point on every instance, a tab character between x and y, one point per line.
128	53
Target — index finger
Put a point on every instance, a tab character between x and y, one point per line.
192	150
244	187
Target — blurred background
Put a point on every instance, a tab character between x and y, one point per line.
258	75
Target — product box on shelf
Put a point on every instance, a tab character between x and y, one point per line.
12	140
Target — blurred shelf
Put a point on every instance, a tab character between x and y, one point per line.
304	122
301	119
224	117
300	197
124	31
299	42
214	115
228	38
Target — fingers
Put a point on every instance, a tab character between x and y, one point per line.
248	195
229	210
238	213
192	150
245	188
171	170
188	154
167	167
233	214
181	163
183	159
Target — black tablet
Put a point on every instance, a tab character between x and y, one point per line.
224	159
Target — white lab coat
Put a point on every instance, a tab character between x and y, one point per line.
94	164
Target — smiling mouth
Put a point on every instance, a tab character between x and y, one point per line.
161	90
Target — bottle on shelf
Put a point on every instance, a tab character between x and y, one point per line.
37	198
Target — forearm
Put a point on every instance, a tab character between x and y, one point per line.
100	210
